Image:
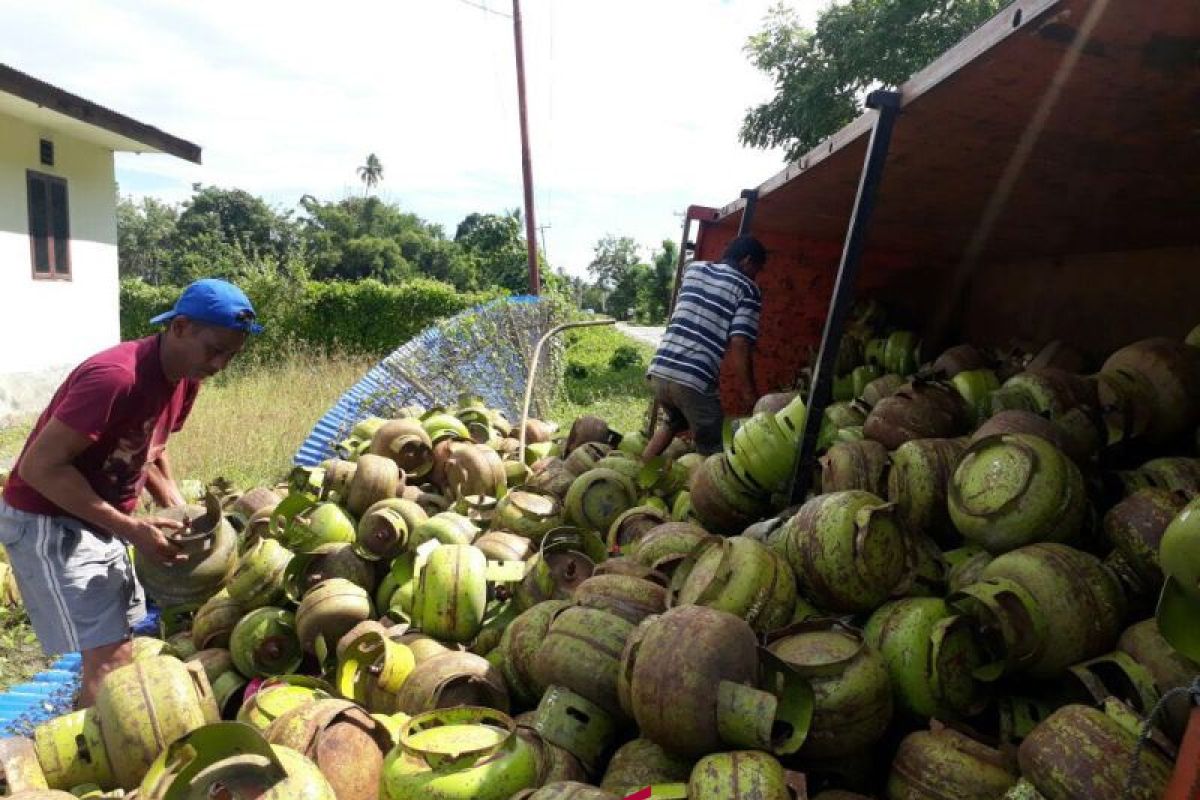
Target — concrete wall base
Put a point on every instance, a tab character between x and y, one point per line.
25	394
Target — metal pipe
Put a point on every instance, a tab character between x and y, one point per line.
537	355
535	280
751	198
888	106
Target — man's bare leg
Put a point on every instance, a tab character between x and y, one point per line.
97	663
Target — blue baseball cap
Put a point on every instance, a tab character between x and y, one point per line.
216	302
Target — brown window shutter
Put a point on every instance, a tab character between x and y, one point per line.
60	228
39	224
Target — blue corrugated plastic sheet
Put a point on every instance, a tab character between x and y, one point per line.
484	351
51	692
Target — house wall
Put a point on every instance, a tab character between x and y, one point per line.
47	326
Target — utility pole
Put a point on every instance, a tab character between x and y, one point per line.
535	283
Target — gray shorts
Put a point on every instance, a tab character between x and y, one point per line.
77	586
687	409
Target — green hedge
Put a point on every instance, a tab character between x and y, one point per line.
362	317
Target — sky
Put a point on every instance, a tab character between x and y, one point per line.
634	105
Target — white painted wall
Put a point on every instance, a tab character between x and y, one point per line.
48	326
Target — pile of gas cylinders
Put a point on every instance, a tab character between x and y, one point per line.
990	594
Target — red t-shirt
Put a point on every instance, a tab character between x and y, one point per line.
121	400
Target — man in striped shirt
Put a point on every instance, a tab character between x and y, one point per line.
716	310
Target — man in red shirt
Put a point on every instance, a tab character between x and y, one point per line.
67	509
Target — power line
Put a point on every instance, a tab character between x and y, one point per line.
482	7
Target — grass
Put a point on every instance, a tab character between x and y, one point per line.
592	386
20	656
12	438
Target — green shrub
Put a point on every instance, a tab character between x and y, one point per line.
621	397
624	356
366	317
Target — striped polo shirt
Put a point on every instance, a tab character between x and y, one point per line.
715	302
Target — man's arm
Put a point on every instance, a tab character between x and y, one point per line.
741	354
160	482
48	466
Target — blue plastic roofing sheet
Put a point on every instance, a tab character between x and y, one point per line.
484	351
51	692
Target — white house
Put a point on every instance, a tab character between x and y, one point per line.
58	231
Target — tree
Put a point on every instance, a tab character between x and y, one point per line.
374	257
365	237
612	258
230	233
495	244
593	297
371	173
632	296
235	218
578	291
662	281
441	259
144	233
823	75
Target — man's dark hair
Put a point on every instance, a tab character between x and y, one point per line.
743	246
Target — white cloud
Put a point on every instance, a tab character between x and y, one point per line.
634	106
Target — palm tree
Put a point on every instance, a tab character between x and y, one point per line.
371	173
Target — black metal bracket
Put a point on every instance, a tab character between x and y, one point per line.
887	104
751	198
